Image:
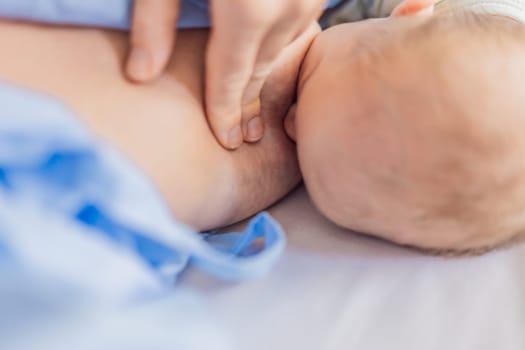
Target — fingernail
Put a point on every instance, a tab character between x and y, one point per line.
234	138
139	64
254	130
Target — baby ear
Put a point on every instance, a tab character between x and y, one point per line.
414	7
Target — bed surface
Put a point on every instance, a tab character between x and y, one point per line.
337	290
331	290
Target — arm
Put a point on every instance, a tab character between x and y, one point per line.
161	126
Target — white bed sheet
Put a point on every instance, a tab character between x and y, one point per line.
337	290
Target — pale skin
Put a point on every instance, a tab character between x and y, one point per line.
161	126
420	145
246	40
163	129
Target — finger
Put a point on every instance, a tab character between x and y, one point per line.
152	38
230	60
272	45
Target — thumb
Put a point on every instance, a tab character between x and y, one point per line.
230	60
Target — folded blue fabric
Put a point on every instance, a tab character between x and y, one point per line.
72	208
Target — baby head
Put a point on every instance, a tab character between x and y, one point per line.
412	128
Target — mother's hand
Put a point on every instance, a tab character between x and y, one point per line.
246	40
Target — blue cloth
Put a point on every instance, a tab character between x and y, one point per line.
103	13
100	13
72	208
89	252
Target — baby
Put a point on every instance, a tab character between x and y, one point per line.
412	128
407	128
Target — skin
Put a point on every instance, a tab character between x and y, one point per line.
246	40
426	157
161	126
410	178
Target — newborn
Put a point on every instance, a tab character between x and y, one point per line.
412	128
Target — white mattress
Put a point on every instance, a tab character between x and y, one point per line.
337	290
